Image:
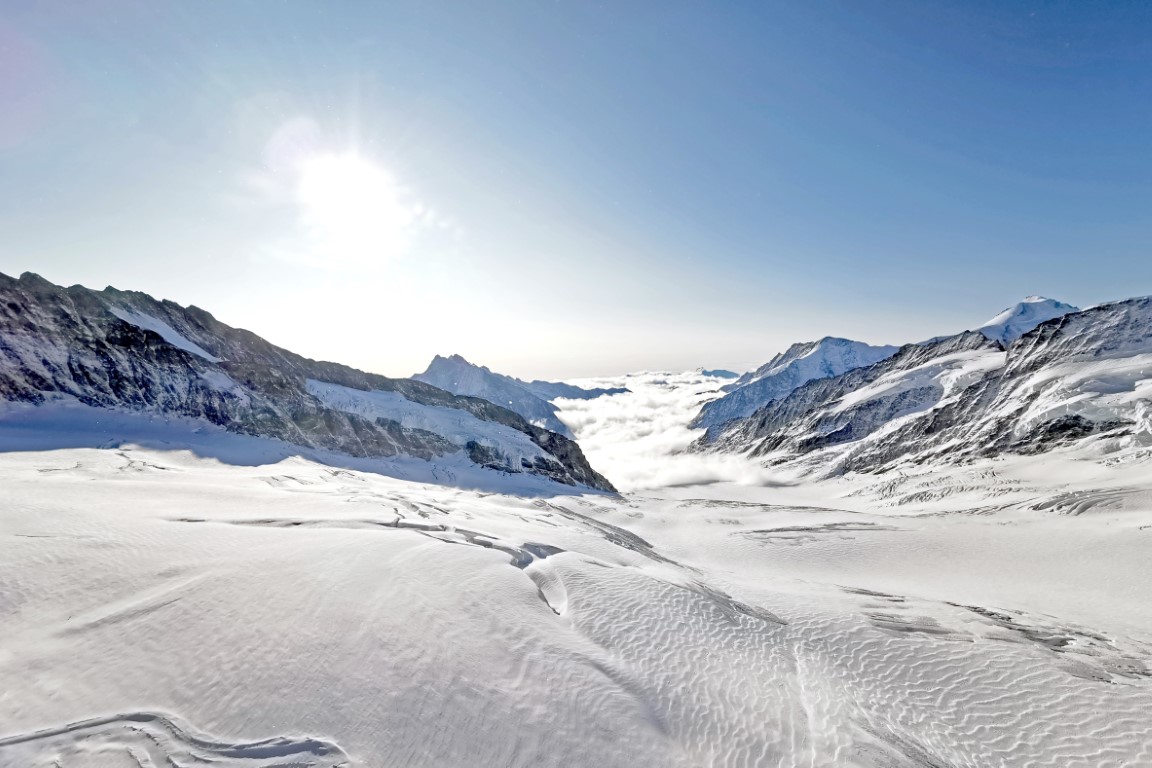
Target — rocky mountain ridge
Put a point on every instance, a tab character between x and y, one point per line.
799	364
529	399
123	349
1076	375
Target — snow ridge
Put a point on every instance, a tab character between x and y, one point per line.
125	350
529	399
1015	321
1078	375
788	370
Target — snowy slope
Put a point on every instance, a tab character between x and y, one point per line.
1017	320
788	370
164	606
173	592
126	350
1079	375
846	408
456	375
529	399
503	447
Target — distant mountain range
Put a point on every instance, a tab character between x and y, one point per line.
530	399
1038	375
128	351
788	370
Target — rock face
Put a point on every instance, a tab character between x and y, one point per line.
457	375
785	372
122	349
1076	375
529	399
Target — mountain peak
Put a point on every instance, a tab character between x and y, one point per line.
1017	320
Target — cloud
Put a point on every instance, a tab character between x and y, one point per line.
639	440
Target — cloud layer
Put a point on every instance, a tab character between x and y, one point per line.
639	440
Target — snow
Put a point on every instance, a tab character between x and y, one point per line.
1100	390
460	377
1015	321
459	427
787	372
174	594
951	373
166	332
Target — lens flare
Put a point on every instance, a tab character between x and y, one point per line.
354	210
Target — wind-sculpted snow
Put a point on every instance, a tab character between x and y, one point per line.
300	614
152	739
175	594
119	349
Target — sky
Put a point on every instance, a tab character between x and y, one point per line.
559	189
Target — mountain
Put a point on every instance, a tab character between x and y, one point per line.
1020	318
788	370
719	373
125	350
457	375
554	390
1076	375
529	399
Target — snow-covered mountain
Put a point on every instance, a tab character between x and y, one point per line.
126	350
1076	375
788	370
720	373
456	375
529	399
554	390
1017	320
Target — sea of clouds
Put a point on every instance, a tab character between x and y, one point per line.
639	440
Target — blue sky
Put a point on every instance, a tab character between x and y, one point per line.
579	188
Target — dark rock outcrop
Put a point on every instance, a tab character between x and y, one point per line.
123	349
965	396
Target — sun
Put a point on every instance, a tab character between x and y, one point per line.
354	211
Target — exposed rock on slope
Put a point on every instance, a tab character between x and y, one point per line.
785	372
848	407
122	349
529	399
1075	375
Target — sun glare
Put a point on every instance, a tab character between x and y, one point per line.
353	209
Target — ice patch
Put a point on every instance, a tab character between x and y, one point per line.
167	332
457	426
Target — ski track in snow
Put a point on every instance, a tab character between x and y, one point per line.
988	616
